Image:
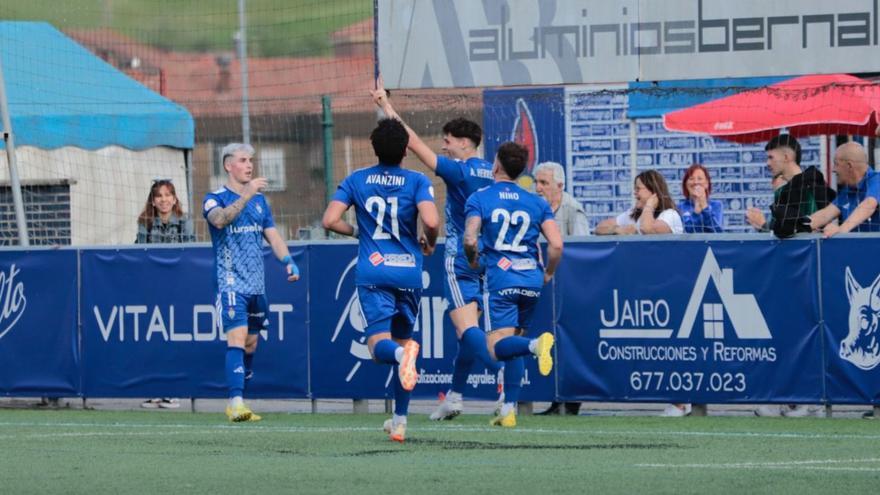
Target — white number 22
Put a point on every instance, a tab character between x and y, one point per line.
517	217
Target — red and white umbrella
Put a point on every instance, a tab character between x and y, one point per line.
805	106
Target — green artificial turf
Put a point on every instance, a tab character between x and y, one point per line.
125	452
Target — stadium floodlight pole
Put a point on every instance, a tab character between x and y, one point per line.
241	39
13	167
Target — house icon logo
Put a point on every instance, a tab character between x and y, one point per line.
644	318
743	311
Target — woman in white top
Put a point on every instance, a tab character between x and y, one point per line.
653	213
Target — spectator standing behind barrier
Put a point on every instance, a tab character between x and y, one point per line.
805	192
568	212
858	194
571	219
699	214
162	221
755	217
653	213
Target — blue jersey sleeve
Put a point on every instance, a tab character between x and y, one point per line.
449	169
211	201
872	189
268	219
472	208
424	189
546	212
343	192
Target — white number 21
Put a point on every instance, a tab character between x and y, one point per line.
379	203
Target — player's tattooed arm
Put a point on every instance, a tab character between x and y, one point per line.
471	233
221	217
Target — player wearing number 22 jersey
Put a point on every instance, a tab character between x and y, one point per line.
509	220
388	202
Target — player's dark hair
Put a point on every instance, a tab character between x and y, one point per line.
464	128
785	141
513	158
389	140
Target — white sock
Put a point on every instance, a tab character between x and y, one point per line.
453	395
236	401
506	409
398	354
398	419
533	344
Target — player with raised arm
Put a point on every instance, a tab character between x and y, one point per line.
510	220
388	202
463	171
239	219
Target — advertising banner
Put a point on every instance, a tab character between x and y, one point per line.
149	327
464	43
851	303
38	336
533	118
704	322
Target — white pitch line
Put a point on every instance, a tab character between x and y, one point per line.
445	428
813	465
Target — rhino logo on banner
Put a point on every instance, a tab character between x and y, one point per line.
860	347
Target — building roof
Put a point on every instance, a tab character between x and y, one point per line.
209	84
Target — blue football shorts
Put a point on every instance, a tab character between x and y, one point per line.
239	310
387	309
511	307
461	284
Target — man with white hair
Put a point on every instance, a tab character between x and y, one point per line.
239	219
858	194
550	184
569	214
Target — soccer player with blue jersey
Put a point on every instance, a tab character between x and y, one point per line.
388	202
463	171
510	220
239	219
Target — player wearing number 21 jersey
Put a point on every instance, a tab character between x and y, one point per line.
388	203
509	220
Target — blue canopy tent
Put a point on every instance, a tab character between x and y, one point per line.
77	120
60	94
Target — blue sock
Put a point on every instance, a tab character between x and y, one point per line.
475	339
235	371
401	397
513	375
462	365
511	347
248	365
384	351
